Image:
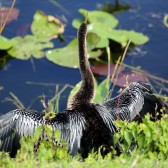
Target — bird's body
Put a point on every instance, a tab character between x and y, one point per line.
84	125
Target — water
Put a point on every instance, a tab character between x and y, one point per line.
145	16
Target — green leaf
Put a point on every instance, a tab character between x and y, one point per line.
68	56
116	137
119	36
44	26
76	23
133	126
135	37
37	133
102	91
104	42
100	17
92	41
128	137
24	48
5	43
103	25
141	141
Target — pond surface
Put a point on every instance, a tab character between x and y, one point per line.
26	79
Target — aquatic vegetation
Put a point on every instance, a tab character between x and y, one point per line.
128	77
5	43
102	69
28	50
68	56
152	147
44	28
100	31
103	25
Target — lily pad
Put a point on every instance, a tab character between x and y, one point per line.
44	26
120	36
97	23
76	23
104	42
102	69
127	77
100	17
5	43
68	56
135	37
24	48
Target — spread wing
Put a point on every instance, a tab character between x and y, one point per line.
22	122
71	124
133	103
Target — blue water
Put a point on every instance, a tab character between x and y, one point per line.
144	16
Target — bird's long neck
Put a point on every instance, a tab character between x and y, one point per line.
86	92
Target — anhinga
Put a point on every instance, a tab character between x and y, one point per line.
83	124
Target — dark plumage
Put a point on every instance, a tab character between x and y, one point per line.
84	125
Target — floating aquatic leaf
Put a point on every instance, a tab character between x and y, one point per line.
76	23
104	28
126	78
45	26
100	17
120	36
102	69
24	48
4	13
135	37
104	42
68	56
5	43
